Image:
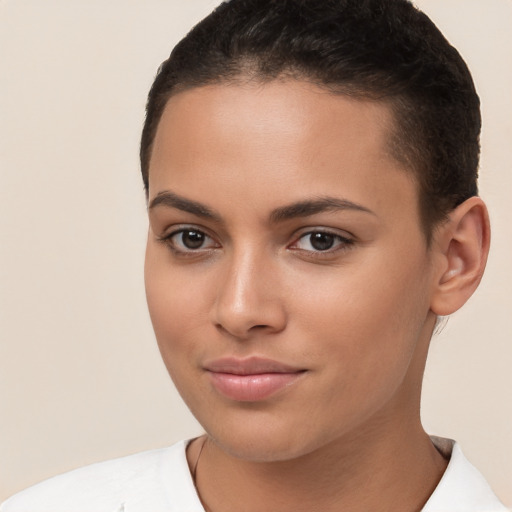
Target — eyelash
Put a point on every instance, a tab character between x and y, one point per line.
342	243
168	241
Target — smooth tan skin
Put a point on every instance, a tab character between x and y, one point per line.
358	318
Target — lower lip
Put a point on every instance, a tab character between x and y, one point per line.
252	388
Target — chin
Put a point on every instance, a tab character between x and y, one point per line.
260	450
267	441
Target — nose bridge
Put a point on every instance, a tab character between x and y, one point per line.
248	295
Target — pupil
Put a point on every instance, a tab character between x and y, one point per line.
321	241
193	239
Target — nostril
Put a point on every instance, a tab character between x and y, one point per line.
243	331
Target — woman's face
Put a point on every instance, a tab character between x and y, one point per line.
287	276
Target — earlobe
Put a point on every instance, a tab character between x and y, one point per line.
462	244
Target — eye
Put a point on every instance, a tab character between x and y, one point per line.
321	241
187	240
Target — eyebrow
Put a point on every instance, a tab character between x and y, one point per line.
283	213
172	200
314	206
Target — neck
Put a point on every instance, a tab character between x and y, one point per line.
388	464
388	471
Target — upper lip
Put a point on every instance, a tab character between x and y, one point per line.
249	366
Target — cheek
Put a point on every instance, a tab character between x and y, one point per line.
369	319
176	303
176	308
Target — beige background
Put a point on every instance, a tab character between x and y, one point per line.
80	375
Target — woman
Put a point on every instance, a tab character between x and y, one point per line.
310	170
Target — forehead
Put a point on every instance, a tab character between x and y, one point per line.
295	111
289	137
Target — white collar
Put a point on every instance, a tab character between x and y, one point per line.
462	488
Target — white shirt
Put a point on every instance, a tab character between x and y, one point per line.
160	481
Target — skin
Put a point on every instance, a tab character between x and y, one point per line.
356	318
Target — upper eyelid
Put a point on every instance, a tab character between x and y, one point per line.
171	232
342	238
179	228
328	231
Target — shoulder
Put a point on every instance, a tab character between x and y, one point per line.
462	487
153	480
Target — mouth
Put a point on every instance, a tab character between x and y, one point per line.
251	380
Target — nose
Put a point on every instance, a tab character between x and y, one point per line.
248	300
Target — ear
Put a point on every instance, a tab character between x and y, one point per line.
462	246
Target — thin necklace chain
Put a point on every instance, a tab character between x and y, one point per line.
194	474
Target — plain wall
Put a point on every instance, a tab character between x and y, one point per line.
80	376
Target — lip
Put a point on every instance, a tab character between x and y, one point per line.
251	380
